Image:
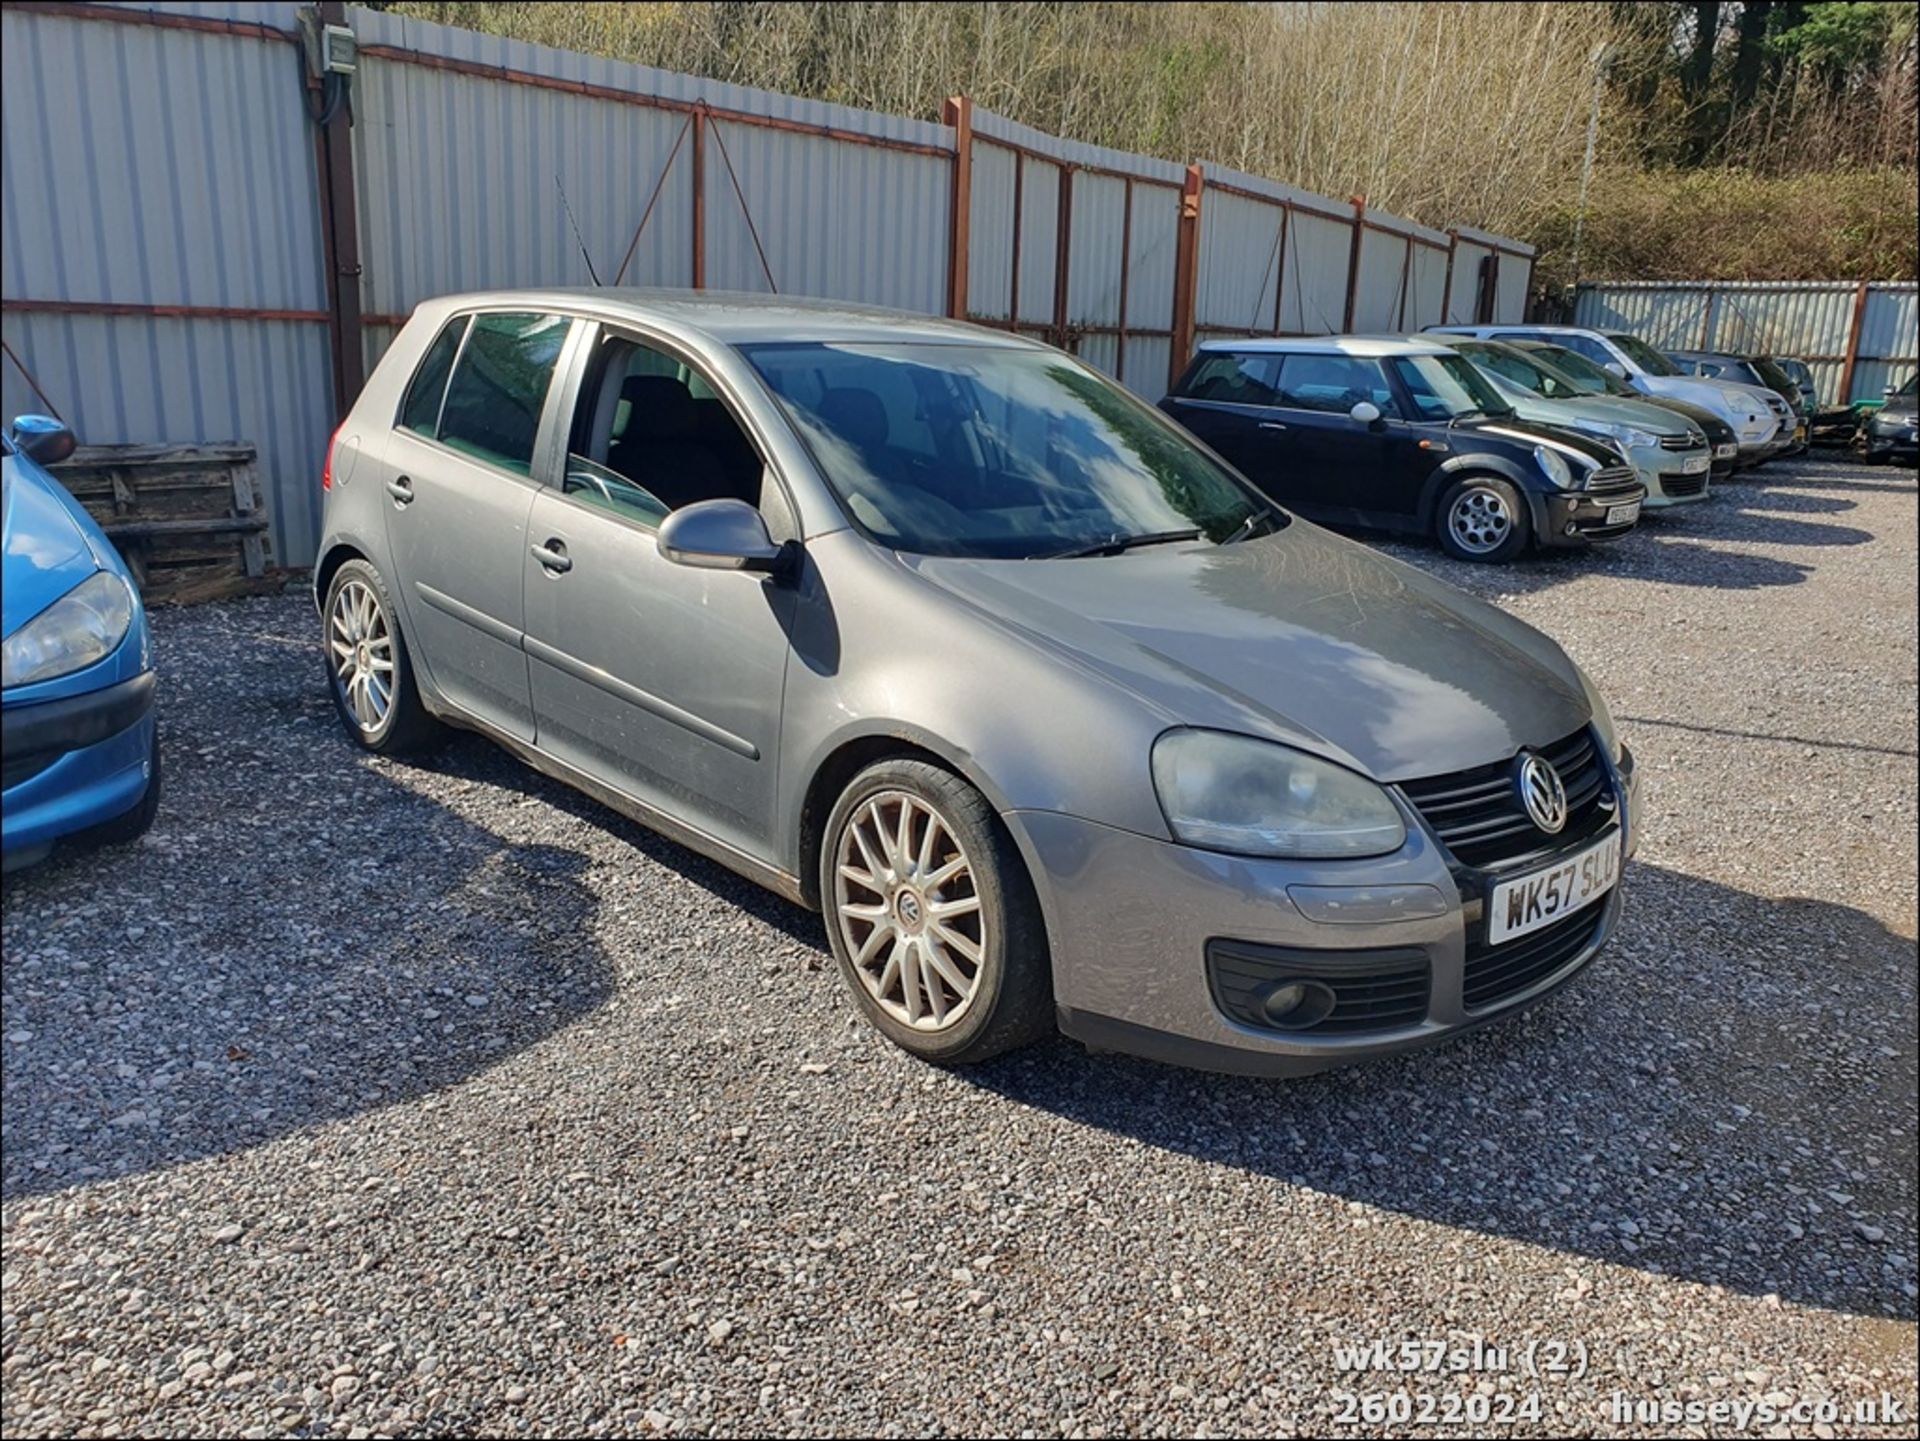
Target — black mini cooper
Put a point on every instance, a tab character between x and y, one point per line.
1402	435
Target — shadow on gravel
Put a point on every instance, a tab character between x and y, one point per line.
1726	1097
353	967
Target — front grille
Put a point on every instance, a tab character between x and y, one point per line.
1495	973
1478	816
1381	990
1613	478
1691	441
1679	485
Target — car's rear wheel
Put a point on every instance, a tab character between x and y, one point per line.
1482	518
932	916
368	670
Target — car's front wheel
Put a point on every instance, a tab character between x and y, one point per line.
368	670
1482	519
932	916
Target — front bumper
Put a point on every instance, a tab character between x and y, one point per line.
1130	919
1891	441
1662	472
1575	517
74	763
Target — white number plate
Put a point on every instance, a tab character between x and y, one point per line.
1693	465
1543	897
1621	514
1727	451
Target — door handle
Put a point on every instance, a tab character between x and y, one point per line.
553	555
1273	425
401	489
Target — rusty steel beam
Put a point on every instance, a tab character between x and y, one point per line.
958	114
1853	343
157	20
339	209
1062	254
1045	159
699	121
1353	260
1186	273
1126	260
1019	182
163	312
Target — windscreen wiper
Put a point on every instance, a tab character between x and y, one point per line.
1115	544
1245	532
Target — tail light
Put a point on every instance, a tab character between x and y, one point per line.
326	471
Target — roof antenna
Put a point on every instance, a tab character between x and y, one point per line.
593	274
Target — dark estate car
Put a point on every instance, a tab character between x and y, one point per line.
1402	435
1888	433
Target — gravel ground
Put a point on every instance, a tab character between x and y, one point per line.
370	1099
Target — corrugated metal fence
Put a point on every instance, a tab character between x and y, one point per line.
173	269
1858	338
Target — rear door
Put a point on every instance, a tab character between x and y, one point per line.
1227	400
459	474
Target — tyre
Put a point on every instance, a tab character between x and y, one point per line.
1483	519
138	821
368	671
932	916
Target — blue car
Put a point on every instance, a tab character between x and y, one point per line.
79	743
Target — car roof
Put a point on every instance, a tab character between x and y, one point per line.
737	317
1370	347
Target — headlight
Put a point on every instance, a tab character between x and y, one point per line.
83	626
1233	793
1553	465
1602	717
1627	435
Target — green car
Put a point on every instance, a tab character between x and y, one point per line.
1669	453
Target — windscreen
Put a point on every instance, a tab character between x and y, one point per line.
993	451
1643	355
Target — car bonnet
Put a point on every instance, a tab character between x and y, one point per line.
1299	636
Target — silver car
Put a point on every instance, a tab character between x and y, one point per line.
940	632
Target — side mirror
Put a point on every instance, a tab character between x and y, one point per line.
1366	412
719	535
41	438
1888	392
1616	370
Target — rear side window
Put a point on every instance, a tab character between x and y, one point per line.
1334	383
499	387
420	411
1235	380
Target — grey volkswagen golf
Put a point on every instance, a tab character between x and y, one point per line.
936	630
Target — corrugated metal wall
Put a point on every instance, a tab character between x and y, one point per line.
1813	320
128	152
174	287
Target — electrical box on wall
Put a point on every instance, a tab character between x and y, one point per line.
330	49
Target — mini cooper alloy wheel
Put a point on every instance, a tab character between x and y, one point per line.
908	911
1480	521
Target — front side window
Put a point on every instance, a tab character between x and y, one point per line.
992	451
1594	350
420	411
1643	355
1235	379
1447	387
499	386
1587	377
1334	383
650	435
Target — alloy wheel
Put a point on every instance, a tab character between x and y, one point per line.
909	912
360	643
1480	521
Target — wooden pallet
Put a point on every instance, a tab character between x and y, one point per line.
188	518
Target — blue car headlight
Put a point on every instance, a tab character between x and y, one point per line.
85	625
1226	792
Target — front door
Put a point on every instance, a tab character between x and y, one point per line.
458	476
1345	470
662	681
